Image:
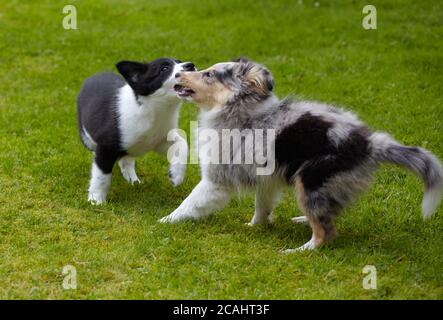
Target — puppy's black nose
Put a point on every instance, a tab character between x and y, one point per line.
177	75
189	66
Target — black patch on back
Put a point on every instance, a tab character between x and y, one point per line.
96	108
97	113
305	147
304	140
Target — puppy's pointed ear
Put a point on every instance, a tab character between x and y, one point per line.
132	71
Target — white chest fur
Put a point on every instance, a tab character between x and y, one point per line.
144	124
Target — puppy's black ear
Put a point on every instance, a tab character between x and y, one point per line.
132	71
241	60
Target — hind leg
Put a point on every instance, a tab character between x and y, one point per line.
101	174
98	185
266	198
127	168
323	230
320	211
301	197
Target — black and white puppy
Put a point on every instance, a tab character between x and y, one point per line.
327	154
120	118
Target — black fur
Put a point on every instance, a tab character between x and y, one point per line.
96	109
146	78
305	149
302	141
348	155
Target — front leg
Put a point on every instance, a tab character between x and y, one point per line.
127	168
203	200
176	150
104	160
266	198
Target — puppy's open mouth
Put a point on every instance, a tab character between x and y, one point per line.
183	91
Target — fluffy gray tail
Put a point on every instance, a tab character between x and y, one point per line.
419	161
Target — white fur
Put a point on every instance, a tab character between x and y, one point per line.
98	185
300	219
267	194
177	167
310	245
127	168
433	195
203	200
208	196
431	201
145	124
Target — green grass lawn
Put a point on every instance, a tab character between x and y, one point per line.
392	77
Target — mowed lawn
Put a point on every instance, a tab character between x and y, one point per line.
392	77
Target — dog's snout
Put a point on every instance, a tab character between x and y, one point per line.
189	66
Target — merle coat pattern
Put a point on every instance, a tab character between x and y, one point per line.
326	153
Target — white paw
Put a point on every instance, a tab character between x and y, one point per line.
171	218
130	176
96	197
127	168
175	217
289	251
166	219
301	219
177	173
310	245
260	219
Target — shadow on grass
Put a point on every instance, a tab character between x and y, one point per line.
155	198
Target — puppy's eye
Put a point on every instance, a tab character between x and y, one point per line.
164	68
208	74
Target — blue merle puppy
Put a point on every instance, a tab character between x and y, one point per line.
326	153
